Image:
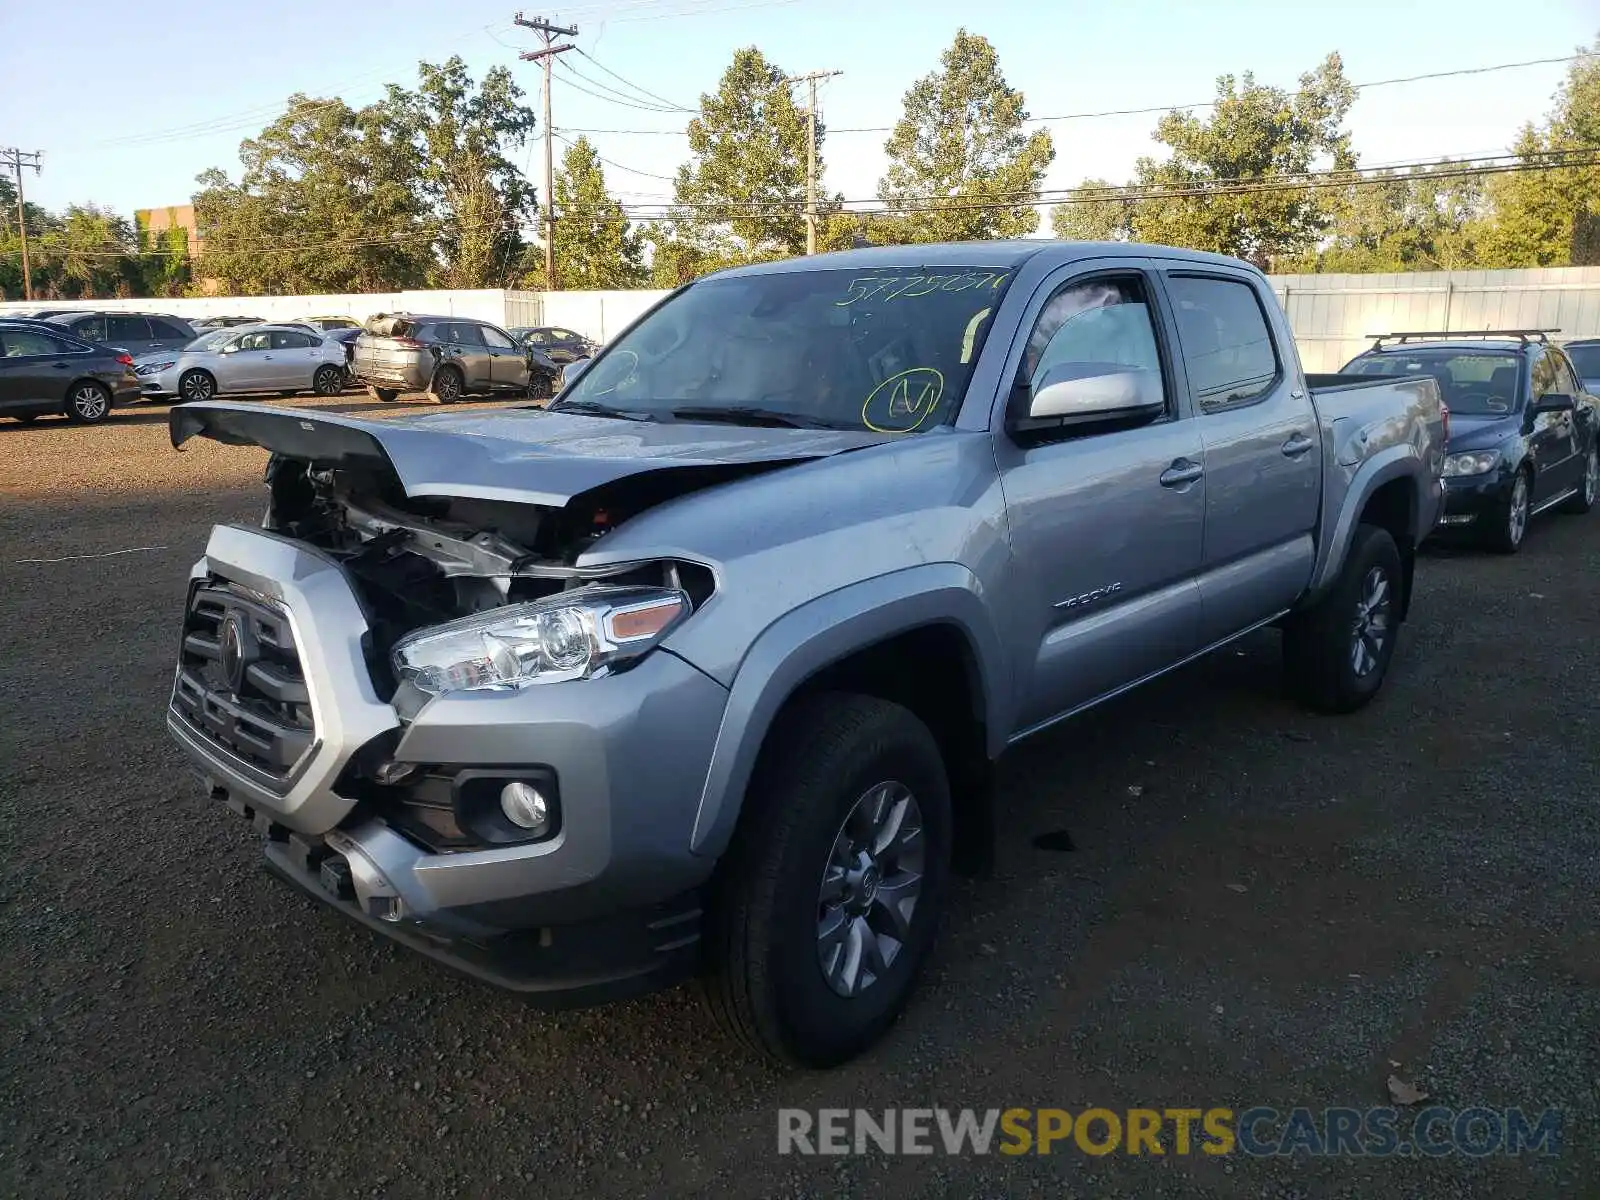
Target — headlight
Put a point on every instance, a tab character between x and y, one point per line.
154	368
1474	462
572	635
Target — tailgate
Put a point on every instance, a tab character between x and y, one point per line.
387	355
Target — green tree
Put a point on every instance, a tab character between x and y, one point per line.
328	201
1400	222
87	253
1551	217
464	135
1256	136
1085	217
741	197
595	246
961	165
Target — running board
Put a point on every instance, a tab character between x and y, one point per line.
1553	501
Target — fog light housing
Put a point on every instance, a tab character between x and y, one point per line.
525	807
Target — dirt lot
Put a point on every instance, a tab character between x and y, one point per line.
1261	908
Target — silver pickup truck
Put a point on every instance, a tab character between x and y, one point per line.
702	668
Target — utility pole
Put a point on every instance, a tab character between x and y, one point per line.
16	160
811	153
548	34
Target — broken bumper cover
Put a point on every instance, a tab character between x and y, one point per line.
604	907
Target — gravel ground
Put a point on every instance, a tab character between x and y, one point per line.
1260	908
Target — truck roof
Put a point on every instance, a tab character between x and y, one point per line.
1011	253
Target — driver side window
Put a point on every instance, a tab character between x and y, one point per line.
1093	327
1546	377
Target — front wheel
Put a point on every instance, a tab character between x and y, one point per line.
196	386
540	387
1337	652
829	895
1583	499
328	381
88	403
1508	523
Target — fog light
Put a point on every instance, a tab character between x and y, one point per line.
524	806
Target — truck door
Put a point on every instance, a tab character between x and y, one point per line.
1262	446
1105	520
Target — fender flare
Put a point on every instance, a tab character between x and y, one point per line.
1394	462
824	631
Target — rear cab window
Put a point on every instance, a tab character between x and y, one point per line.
1225	340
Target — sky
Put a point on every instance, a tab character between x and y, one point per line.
171	91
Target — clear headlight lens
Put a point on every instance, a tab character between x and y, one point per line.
1474	462
573	635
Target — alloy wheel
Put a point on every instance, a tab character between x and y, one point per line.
89	402
1517	517
870	888
1591	477
1372	623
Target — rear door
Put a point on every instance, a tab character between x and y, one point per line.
1105	522
508	362
469	352
1259	430
294	359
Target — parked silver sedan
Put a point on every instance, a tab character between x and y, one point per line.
284	358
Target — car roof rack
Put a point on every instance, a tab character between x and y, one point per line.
1460	335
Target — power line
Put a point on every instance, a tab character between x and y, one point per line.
1164	108
672	104
621	166
16	159
547	56
576	81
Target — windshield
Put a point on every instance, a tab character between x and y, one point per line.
1587	361
210	341
1475	383
889	351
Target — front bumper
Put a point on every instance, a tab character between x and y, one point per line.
161	385
606	906
1468	497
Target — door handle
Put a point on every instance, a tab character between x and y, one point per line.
1297	445
1182	471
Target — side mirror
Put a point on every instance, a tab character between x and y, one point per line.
231	348
1554	402
1076	393
575	368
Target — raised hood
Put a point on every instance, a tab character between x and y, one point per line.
523	455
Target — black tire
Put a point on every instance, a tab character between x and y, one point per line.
764	979
328	380
195	386
1320	645
87	402
1583	499
540	387
1504	531
448	385
384	395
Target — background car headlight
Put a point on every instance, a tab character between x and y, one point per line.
573	635
1472	462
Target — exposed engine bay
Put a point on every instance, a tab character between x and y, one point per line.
421	561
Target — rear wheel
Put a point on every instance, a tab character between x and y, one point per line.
448	385
384	395
328	381
1583	499
1508	523
1337	652
830	892
196	386
88	403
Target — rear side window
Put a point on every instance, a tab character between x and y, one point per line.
92	328
463	334
169	330
127	329
1227	347
284	339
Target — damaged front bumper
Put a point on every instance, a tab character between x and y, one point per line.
606	906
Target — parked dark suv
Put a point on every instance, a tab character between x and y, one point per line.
137	333
447	357
1522	430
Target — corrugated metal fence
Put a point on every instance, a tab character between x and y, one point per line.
1332	315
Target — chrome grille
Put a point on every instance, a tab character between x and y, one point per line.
240	683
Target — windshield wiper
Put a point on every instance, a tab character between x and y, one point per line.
596	409
745	414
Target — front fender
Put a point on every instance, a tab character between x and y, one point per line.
822	632
1344	512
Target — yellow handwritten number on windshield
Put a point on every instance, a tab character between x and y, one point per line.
902	402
